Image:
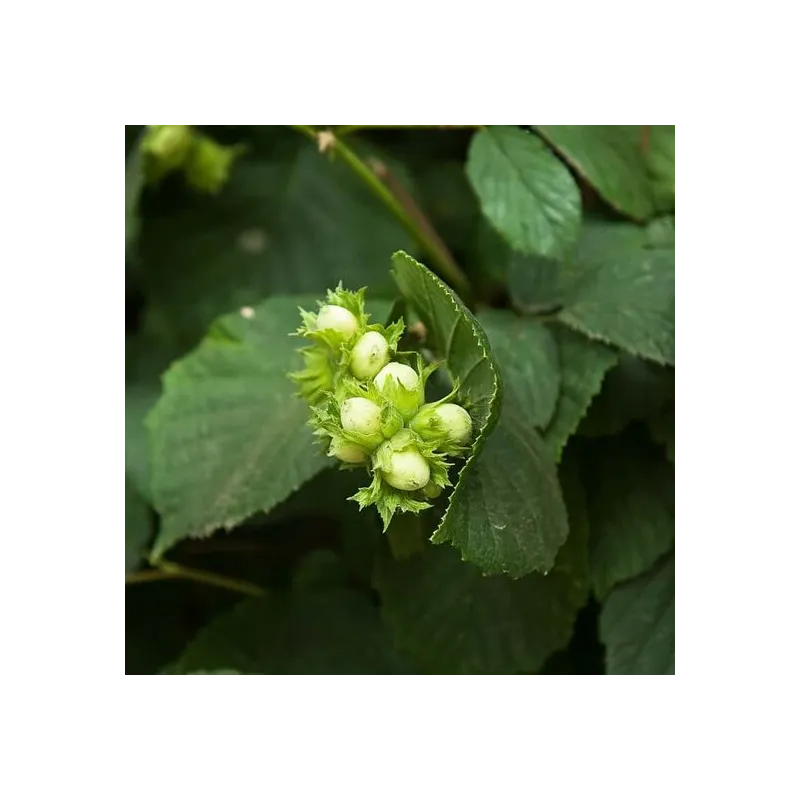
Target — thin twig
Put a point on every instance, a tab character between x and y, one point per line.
146	576
166	570
413	210
440	257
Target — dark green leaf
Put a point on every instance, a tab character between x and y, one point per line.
628	300
325	497
134	182
140	397
573	557
583	365
137	526
632	391
610	158
452	620
452	207
539	285
637	623
661	164
296	225
229	437
601	242
319	569
311	632
662	429
524	190
507	513
528	358
631	511
660	232
455	335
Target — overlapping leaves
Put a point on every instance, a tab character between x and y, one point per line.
452	619
526	193
631	493
617	286
611	158
506	513
637	623
583	366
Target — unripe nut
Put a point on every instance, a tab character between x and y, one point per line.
349	453
448	419
370	355
403	374
404	391
456	421
336	318
362	416
408	470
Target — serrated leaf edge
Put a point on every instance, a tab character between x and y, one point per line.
495	402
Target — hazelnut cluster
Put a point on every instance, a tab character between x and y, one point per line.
368	406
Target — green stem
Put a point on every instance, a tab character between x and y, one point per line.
439	255
146	576
164	570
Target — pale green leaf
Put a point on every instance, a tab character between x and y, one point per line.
631	511
610	158
583	365
528	358
325	631
524	190
637	623
229	437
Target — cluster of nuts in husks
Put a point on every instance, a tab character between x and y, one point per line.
368	406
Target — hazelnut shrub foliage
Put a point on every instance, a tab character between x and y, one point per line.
289	506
